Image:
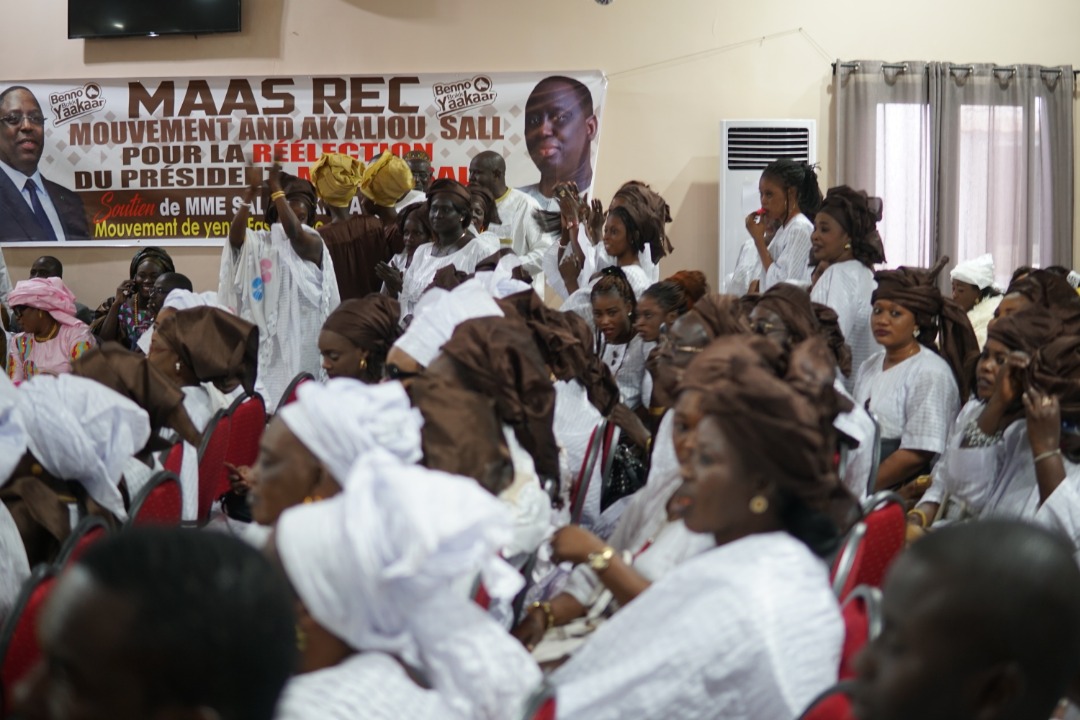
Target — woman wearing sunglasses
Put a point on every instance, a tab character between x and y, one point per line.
52	336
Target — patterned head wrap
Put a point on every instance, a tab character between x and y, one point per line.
336	178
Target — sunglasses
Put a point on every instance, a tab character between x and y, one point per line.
393	372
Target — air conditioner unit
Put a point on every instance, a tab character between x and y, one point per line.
746	147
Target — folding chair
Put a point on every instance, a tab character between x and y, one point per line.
19	649
862	623
159	502
213	478
832	704
89	530
289	396
247	420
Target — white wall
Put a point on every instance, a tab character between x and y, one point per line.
766	58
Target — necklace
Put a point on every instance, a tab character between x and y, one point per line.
50	335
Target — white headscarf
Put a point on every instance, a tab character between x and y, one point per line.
500	282
12	433
181	299
344	419
378	566
439	312
81	430
978	272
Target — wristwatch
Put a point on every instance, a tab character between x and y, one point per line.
600	561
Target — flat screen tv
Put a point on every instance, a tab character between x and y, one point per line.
126	18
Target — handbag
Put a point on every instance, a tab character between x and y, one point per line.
625	471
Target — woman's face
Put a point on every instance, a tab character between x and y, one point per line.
1011	303
616	242
611	315
340	358
286	474
991	360
650	317
829	242
965	294
717	492
769	324
479	211
446	218
300	209
34	321
167	360
774	201
687	416
893	325
415	234
145	275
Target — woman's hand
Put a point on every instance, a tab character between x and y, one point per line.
1009	381
567	195
274	181
574	544
125	290
254	178
1043	421
594	222
391	276
241	478
569	268
755	225
630	424
530	631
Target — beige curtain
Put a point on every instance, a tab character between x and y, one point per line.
972	158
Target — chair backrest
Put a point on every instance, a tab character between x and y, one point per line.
289	396
540	705
247	420
875	456
19	649
847	561
89	530
213	478
159	502
862	623
832	704
174	459
886	532
580	490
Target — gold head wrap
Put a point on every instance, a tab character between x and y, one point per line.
336	177
386	180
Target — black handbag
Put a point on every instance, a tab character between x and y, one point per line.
625	472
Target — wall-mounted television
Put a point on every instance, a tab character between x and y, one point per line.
126	18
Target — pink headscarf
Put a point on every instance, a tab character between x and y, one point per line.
48	294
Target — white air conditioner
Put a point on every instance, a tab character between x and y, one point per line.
746	147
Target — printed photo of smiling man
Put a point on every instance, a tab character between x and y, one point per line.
32	209
560	126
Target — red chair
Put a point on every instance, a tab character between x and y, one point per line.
175	458
159	502
89	530
19	649
832	704
871	545
247	420
541	703
213	477
289	396
862	623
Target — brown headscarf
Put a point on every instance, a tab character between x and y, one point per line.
722	314
780	426
461	434
1044	288
491	210
829	324
370	323
131	374
916	290
859	214
1055	370
651	213
296	190
448	277
793	305
218	346
446	186
565	343
501	361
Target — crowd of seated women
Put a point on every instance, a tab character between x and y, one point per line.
627	494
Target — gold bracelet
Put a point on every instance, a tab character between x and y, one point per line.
923	520
657	410
275	195
549	614
1048	454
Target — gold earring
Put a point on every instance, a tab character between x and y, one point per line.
312	499
301	638
363	364
848	246
759	504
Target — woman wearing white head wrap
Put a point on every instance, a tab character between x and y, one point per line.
307	450
377	571
14	566
973	289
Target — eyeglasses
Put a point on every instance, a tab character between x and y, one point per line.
16	119
393	372
763	327
18	310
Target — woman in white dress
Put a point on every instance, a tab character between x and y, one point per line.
385	627
790	197
751	628
914	385
846	240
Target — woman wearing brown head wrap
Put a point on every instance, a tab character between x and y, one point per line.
847	242
984	431
1038	287
207	345
484	210
759	481
913	392
450	212
786	315
356	337
665	301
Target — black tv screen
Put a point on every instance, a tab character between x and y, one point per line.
125	18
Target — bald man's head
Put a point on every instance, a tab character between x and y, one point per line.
981	620
488	169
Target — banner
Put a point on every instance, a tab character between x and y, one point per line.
161	161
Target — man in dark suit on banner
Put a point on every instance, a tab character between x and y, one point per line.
32	209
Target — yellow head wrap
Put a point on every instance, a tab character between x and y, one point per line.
336	178
386	180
